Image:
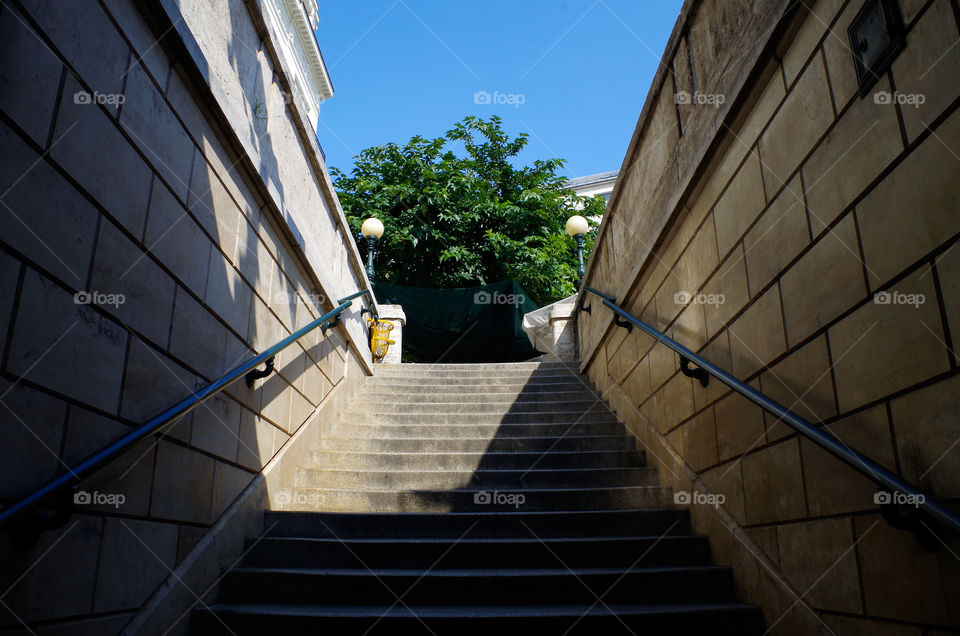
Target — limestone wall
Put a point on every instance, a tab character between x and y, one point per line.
175	185
755	222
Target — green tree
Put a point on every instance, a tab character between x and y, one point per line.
458	221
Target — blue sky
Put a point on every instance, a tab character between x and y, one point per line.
573	74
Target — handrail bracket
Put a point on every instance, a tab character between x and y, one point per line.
25	531
912	519
257	374
330	324
695	373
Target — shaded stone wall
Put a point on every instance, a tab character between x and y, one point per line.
800	237
164	216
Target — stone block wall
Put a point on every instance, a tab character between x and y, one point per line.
802	238
164	216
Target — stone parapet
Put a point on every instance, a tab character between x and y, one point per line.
394	314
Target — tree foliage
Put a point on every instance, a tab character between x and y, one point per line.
470	219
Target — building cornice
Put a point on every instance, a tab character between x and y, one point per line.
303	16
592	179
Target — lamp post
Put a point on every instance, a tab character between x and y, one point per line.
372	229
577	227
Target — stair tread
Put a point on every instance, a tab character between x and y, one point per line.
484	388
468	453
520	374
588	398
486	540
484	470
520	363
518	380
591	398
439	572
468	513
467	426
480	611
538	393
472	373
617	435
367	410
481	489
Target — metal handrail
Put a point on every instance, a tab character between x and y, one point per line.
112	451
865	466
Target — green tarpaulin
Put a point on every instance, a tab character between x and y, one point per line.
471	324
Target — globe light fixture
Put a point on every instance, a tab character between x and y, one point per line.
576	224
372	229
577	227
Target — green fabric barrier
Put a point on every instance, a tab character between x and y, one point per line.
470	324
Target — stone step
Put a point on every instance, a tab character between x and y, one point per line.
440	380
480	586
385	407
470	461
474	499
479	444
485	431
419	386
509	523
589	619
482	396
476	366
465	499
467	418
475	551
403	371
350	479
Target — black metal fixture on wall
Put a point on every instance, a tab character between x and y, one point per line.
876	38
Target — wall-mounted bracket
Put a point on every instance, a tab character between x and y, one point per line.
257	374
329	325
697	373
621	322
876	38
55	513
910	518
583	306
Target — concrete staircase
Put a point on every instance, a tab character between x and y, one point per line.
460	499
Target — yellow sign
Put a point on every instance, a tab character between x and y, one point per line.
380	338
